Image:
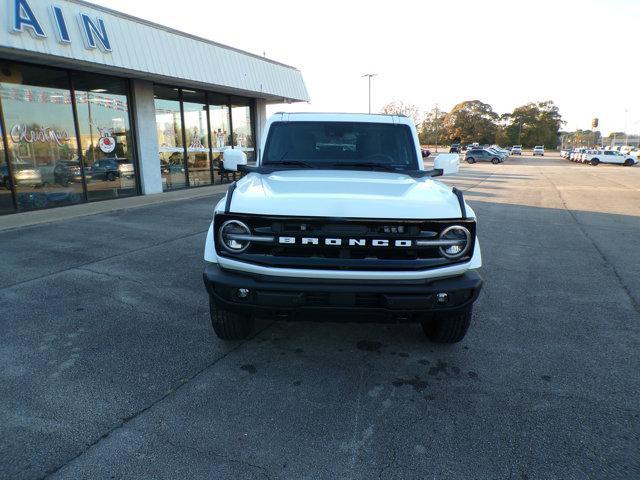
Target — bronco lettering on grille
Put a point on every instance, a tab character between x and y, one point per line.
352	242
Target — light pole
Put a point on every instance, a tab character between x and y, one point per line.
626	142
370	75
436	128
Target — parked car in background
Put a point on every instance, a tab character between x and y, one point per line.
625	149
68	171
564	153
586	155
575	154
503	156
43	198
538	150
595	157
455	148
26	174
503	150
516	150
481	155
112	168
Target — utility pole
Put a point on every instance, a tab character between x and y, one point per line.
436	128
370	75
626	142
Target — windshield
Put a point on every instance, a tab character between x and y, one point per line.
323	144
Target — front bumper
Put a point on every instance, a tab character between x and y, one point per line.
290	296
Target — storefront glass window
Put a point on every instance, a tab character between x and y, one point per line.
170	146
220	133
105	135
41	136
197	135
6	200
242	128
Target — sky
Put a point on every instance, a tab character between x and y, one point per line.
584	55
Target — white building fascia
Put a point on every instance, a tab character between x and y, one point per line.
80	35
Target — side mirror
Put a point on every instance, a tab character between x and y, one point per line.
232	158
449	163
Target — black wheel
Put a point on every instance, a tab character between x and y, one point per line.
594	161
448	328
628	162
111	176
471	160
495	161
229	325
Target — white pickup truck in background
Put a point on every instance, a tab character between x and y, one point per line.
595	157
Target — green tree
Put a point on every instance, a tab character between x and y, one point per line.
430	126
581	138
536	123
471	121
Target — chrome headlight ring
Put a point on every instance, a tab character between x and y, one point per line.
463	244
233	236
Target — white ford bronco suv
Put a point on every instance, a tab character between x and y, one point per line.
339	219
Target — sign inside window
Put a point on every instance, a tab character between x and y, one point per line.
106	143
22	133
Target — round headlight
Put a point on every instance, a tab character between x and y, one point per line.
460	239
233	236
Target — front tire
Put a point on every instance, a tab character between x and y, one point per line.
628	162
448	328
229	325
470	160
595	161
495	161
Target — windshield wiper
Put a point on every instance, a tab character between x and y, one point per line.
294	163
381	166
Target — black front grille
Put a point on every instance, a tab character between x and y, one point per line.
344	256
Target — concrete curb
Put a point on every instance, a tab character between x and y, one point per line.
39	217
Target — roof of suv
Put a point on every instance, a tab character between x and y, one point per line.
340	117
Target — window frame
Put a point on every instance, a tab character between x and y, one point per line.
72	91
228	99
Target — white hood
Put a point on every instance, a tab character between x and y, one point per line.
345	194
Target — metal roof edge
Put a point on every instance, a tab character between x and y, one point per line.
149	23
55	61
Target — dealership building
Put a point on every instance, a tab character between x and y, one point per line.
96	105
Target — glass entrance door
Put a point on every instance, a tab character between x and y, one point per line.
42	143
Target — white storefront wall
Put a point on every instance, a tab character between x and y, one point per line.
77	35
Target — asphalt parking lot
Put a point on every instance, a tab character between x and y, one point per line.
109	367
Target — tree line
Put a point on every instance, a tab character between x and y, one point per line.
536	123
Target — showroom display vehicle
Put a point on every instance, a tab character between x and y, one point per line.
340	220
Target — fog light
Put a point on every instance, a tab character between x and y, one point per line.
243	293
442	298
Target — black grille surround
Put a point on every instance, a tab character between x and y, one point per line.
343	257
